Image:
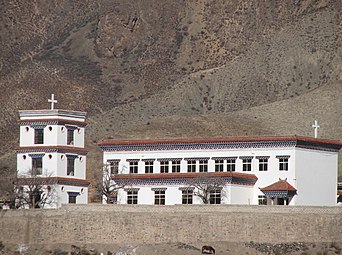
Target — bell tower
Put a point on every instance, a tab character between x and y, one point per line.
51	158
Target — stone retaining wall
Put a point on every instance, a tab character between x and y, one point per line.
127	224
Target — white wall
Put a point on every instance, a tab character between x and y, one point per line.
316	175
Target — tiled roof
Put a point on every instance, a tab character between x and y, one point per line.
299	141
281	185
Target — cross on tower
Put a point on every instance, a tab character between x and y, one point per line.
316	127
52	101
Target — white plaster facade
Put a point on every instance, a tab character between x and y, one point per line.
311	167
54	152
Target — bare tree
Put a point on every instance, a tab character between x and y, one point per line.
206	186
35	191
7	180
110	185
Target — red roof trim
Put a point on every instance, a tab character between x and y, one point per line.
222	140
183	175
281	185
40	148
50	180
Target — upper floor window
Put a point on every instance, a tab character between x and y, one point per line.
219	165
263	164
283	163
164	166
203	165
114	167
70	137
247	164
71	166
37	166
148	167
176	165
191	166
133	167
38	135
231	165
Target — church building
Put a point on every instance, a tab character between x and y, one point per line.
51	158
279	170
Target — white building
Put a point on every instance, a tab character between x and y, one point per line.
51	158
254	170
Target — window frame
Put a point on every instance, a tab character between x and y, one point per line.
132	197
246	164
39	136
114	167
263	164
262	200
70	166
164	166
70	136
149	167
176	166
215	195
37	166
231	165
191	166
187	197
283	164
219	165
133	167
159	197
203	165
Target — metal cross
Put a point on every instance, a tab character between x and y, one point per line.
316	127
52	101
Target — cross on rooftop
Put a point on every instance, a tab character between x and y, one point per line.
52	101
316	127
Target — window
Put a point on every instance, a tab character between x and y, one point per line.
148	167
37	166
231	165
191	166
133	167
159	197
132	197
39	136
164	166
114	167
215	196
72	199
262	200
219	165
247	164
203	166
283	164
263	162
187	196
176	166
71	166
70	137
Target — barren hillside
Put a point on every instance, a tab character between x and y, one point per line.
173	68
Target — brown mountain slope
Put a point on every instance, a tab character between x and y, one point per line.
173	68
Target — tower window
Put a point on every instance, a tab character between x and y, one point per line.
39	136
70	137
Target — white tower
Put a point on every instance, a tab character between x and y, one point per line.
51	158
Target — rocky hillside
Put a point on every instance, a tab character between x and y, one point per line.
157	69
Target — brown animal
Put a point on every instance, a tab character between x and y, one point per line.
206	249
